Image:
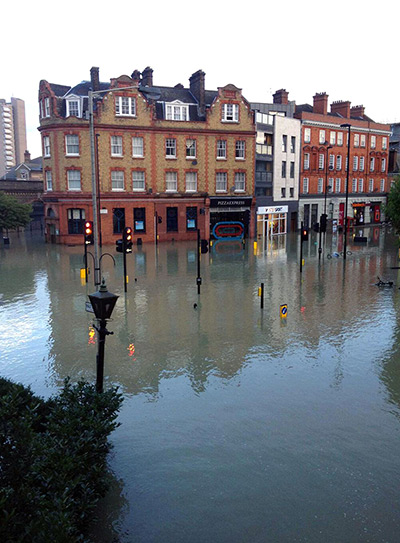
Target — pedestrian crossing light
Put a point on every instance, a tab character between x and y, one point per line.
128	239
89	239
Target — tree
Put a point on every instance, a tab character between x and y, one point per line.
13	214
392	208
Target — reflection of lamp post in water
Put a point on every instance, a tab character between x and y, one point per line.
103	303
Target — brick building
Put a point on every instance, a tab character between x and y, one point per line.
169	159
324	161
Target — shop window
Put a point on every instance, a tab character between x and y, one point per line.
191	218
76	219
139	220
172	219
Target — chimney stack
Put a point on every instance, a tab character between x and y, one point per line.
357	111
27	156
281	96
94	78
197	88
320	103
147	77
341	107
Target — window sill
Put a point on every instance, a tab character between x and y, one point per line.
139	190
228	121
221	158
117	156
239	158
117	190
125	115
71	155
171	191
137	156
170	157
191	158
221	191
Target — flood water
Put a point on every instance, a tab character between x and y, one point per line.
237	426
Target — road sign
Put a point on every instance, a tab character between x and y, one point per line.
283	311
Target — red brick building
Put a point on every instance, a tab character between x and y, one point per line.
169	160
324	161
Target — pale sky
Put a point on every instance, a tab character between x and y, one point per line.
348	49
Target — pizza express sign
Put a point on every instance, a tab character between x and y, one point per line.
230	202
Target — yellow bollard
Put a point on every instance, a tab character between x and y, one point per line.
127	279
259	291
83	273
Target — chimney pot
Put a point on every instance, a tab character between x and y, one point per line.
94	78
320	103
342	108
27	156
197	88
147	77
281	96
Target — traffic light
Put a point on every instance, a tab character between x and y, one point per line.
324	217
89	239
118	245
304	234
204	246
128	239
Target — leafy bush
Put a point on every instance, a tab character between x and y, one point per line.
53	460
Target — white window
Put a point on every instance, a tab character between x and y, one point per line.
361	185
117	180
170	148
284	143
330	184
362	140
322	136
137	147
382	185
331	162
354	185
221	182
340	138
362	163
293	144
346	164
320	185
240	149
306	161
41	109
125	106
177	112
339	162
307	135
221	149
73	108
371	185
321	161
332	139
373	142
383	165
74	179
116	145
190	148
240	181
191	181
372	164
337	184
355	163
305	185
46	146
384	143
356	140
47	107
230	113
138	180
72	145
49	180
171	182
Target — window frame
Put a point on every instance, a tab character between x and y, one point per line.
233	116
141	147
169	147
241	182
49	180
221	148
307	135
240	150
142	179
194	175
113	175
114	144
171	177
46	147
189	147
306	185
221	179
69	103
120	105
69	180
67	144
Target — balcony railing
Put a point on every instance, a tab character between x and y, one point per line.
263	149
263	177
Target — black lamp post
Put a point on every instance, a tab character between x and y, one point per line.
348	126
103	303
322	222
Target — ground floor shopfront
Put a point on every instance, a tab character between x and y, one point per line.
169	218
360	210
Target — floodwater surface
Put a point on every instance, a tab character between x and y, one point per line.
237	425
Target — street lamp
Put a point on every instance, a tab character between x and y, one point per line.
322	222
348	126
95	204
103	303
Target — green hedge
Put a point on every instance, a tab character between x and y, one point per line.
53	461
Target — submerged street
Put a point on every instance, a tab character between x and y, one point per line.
237	425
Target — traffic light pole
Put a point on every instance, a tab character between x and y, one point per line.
198	280
301	248
86	265
124	259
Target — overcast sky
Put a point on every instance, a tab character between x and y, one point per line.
348	49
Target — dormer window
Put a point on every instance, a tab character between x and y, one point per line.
23	174
125	106
230	113
73	108
177	112
47	107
